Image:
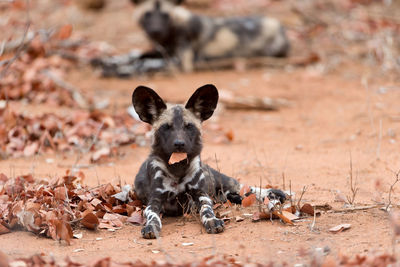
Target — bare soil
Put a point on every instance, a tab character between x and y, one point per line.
333	117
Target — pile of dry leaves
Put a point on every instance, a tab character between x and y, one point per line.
53	207
36	71
224	260
87	131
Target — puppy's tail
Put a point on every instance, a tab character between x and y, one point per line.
228	188
270	193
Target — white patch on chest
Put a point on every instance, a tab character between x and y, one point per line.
170	183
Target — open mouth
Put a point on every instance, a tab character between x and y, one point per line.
177	157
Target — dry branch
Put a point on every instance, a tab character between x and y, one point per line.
251	102
13	45
355	209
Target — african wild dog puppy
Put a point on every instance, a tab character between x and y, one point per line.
172	188
190	37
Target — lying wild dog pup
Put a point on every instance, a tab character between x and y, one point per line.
178	33
173	178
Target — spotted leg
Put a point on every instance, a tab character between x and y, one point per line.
153	221
212	224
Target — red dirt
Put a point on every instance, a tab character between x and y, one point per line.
332	116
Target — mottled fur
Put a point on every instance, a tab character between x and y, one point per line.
173	189
190	37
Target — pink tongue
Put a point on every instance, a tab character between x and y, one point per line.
177	157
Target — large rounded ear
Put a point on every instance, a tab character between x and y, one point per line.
203	102
148	104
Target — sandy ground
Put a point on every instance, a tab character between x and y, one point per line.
332	116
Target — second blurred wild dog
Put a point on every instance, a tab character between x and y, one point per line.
188	37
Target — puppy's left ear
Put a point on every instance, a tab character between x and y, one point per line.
203	102
148	104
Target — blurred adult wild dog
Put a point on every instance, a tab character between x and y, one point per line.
189	37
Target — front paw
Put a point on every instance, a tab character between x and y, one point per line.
214	225
150	231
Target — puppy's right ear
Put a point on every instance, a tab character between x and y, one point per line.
148	104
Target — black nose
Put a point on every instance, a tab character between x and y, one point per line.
155	32
179	144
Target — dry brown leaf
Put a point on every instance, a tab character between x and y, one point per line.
229	135
106	225
308	209
289	215
31	149
239	219
3	229
101	154
60	193
119	209
249	200
26	218
129	209
95	202
177	157
136	218
64	231
260	216
114	219
339	228
90	221
282	217
291	209
64	32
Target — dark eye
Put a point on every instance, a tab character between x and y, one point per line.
166	126
147	15
189	126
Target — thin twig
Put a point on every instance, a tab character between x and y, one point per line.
391	189
353	186
7	47
301	196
